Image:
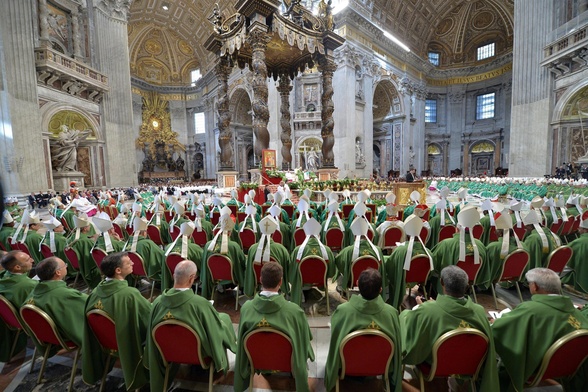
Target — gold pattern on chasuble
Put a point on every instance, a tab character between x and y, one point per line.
464	324
574	322
263	323
31	301
365	252
469	248
314	251
373	325
98	305
168	316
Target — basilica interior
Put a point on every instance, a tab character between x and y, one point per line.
188	90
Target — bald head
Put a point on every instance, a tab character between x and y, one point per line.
184	274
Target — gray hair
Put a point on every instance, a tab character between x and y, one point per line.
545	278
183	270
455	281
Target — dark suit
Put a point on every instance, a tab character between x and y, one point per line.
410	177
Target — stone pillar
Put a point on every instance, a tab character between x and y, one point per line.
466	157
43	23
112	52
327	68
225	137
209	148
445	158
258	39
24	165
77	36
497	152
286	135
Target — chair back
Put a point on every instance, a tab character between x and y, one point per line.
8	314
514	265
289	210
313	270
334	239
493	235
392	235
447	231
172	260
177	342
268	349
567	227
138	264
247	238
220	268
72	257
65	224
575	225
461	351
361	264
154	234
233	208
118	230
424	234
241	215
420	267
200	237
470	267
168	216
215	217
23	248
366	352
556	227
346	208
277	237
103	327
477	231
520	231
149	215
98	255
46	251
129	230
558	258
563	358
175	233
372	208
43	327
299	236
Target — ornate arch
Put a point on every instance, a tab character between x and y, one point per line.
74	114
388	102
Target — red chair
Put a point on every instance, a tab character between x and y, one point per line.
347	208
23	248
289	208
200	237
215	218
118	230
8	314
575	226
247	238
149	215
168	216
493	236
471	270
220	268
334	238
512	270
357	267
447	231
74	262
458	352
155	235
65	224
175	233
177	342
392	235
172	260
556	227
424	234
369	216
372	209
563	358
420	267
241	216
313	271
520	231
299	236
277	237
559	258
98	255
46	251
567	227
366	353
233	208
46	334
139	270
103	327
130	230
268	350
478	231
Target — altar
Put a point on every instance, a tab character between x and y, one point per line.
165	174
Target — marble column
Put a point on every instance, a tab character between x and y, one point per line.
225	137
466	157
43	23
327	68
258	39
286	135
77	36
112	57
24	165
209	150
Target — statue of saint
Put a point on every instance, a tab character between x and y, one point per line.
64	152
312	161
358	152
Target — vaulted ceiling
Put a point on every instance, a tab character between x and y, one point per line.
166	37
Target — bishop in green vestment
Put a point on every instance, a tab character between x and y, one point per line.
539	241
184	246
130	312
363	312
270	309
82	245
15	286
179	303
523	336
578	276
452	310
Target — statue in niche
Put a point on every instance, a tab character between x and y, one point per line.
411	156
179	164
312	161
358	152
64	150
358	83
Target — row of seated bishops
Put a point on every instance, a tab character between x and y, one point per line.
448	336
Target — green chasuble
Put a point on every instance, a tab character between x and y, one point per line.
345	258
312	248
16	288
523	336
152	255
130	312
163	229
446	253
534	245
356	314
117	245
6	232
349	237
68	216
578	276
395	272
435	224
486	224
33	242
421	327
277	252
235	254
88	268
214	329
60	244
64	305
494	260
284	316
194	254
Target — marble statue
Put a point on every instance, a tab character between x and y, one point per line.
358	152
64	152
312	161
